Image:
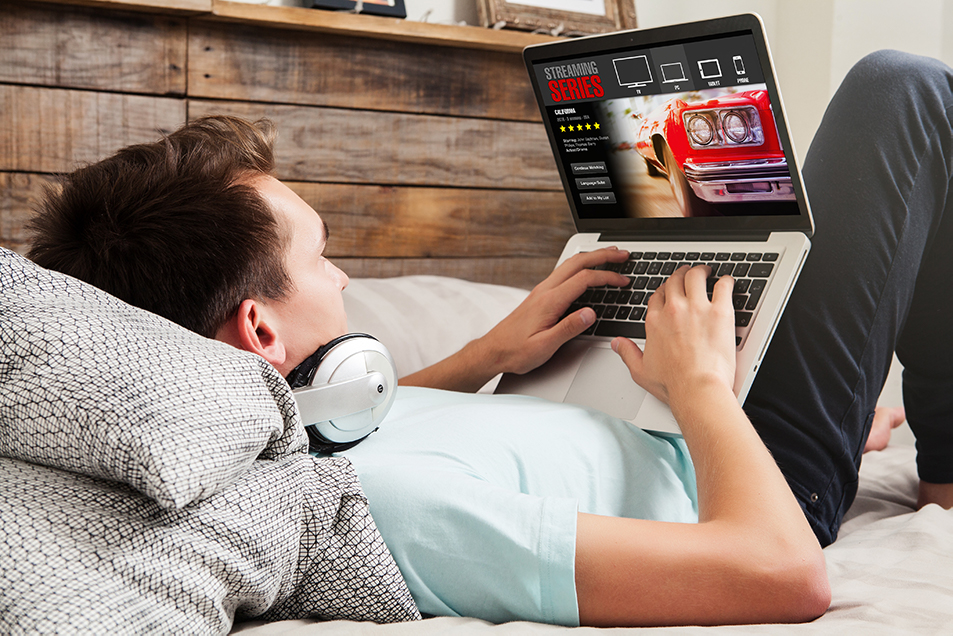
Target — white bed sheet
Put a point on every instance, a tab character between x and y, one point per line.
891	568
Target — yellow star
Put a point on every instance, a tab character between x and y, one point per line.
570	129
562	129
588	127
596	125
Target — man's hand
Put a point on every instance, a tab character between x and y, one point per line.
752	556
689	339
530	335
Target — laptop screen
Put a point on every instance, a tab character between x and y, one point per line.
671	128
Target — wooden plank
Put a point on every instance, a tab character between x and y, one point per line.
387	221
350	146
376	26
20	194
55	130
515	272
76	47
271	65
166	7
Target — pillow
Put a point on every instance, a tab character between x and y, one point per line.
424	319
291	538
93	385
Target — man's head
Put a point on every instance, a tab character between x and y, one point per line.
193	227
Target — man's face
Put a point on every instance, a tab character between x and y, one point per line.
312	314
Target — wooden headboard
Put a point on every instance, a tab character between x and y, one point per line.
421	145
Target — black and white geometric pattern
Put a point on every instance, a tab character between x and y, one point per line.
96	386
157	481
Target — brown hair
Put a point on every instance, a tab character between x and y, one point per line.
172	226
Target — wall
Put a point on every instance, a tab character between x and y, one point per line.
814	42
411	163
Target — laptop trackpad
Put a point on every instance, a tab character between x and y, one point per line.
603	382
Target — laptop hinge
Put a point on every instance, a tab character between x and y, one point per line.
682	236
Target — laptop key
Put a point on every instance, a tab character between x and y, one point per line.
760	270
754	299
742	318
618	328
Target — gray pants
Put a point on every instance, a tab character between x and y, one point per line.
878	280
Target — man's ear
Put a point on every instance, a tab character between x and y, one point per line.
250	330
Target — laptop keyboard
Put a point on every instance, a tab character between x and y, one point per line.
620	311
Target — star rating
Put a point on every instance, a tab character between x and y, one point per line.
580	127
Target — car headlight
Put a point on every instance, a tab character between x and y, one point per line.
721	127
701	130
735	125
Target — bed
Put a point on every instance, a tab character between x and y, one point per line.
891	568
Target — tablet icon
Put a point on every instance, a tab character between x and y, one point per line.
709	69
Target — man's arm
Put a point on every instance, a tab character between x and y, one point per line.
531	334
752	557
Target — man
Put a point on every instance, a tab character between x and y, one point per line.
126	224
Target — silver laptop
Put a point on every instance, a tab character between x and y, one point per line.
671	143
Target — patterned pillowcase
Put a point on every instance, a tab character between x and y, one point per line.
291	538
95	386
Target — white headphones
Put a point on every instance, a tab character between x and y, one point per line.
344	390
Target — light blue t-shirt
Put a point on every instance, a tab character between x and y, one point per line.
477	495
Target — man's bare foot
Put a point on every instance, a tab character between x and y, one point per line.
885	420
941	494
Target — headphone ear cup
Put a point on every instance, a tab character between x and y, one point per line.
351	389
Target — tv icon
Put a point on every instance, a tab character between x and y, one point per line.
632	72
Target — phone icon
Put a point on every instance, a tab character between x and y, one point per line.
739	65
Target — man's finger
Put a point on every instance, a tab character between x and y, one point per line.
584	260
723	290
631	355
566	329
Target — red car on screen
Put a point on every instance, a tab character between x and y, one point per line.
723	150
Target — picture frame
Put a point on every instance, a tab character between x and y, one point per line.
559	17
391	8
